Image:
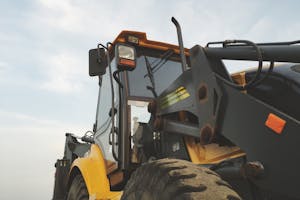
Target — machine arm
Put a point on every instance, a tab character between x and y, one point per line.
281	52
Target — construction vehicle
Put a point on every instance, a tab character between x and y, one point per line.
172	123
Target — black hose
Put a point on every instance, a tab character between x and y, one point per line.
117	78
255	80
271	67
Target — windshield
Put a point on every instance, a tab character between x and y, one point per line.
163	75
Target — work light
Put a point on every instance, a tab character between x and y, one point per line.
125	56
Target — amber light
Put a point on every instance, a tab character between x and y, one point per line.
127	62
133	39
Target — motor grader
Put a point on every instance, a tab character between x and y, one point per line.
172	123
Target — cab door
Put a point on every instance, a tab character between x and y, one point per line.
103	134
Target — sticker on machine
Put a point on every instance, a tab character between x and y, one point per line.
174	97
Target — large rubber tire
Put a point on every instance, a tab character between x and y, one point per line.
78	190
172	179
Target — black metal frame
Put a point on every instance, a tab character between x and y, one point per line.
238	116
73	150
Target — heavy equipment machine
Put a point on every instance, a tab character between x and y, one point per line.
172	123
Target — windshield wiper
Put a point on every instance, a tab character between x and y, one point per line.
159	62
150	74
162	60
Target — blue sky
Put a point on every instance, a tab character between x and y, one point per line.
44	83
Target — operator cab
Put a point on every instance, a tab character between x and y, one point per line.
141	70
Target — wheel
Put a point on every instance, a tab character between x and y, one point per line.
172	179
78	190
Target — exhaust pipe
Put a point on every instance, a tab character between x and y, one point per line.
179	35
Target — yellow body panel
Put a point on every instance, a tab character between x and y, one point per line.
212	153
93	170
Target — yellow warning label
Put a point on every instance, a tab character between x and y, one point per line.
178	95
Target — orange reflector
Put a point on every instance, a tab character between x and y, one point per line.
127	62
275	123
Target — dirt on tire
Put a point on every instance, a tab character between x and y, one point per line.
173	179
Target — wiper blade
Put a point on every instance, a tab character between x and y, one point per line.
162	60
150	74
159	62
149	71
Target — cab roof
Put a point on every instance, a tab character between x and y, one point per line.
144	42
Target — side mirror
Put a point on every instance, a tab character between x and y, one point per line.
97	62
125	57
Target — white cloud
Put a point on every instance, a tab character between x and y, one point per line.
93	18
30	147
64	73
5	72
93	22
3	66
63	14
